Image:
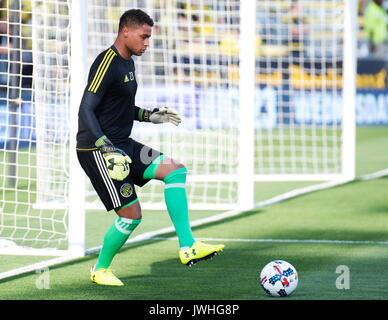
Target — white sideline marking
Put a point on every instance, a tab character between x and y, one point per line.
282	240
221	216
374	175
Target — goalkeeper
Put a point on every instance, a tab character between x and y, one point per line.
114	162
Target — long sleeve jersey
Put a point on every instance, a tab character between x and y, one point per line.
108	103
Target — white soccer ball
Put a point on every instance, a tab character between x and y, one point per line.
279	278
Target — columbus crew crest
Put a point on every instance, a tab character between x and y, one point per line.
126	190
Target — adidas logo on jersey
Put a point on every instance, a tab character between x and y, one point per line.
131	77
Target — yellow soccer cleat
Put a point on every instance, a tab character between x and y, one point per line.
104	277
199	251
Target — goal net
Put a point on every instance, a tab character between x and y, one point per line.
294	126
299	98
192	67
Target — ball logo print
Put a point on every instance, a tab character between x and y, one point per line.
278	278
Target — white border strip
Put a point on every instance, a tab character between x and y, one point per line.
218	217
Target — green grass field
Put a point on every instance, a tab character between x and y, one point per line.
356	214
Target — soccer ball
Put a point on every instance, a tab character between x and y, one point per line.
278	278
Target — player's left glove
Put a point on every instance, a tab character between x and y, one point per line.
165	115
117	161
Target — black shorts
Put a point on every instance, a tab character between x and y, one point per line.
113	193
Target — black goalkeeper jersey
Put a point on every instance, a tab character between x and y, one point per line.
108	103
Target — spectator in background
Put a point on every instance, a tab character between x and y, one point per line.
298	30
15	28
5	46
376	29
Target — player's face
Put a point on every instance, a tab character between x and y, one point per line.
137	39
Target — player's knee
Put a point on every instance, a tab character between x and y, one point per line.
180	166
132	211
172	165
177	176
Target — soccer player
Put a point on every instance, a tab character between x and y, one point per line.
115	163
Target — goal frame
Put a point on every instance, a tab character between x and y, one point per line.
245	178
76	196
77	180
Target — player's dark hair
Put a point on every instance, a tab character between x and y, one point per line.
135	17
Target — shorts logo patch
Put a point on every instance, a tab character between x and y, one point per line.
126	190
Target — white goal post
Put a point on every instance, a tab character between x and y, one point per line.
266	91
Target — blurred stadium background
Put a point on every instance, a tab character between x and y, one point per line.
192	65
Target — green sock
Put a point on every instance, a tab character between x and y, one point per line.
114	239
176	201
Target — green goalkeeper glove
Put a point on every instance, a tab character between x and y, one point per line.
116	159
165	115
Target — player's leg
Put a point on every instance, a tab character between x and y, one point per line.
174	176
129	217
117	195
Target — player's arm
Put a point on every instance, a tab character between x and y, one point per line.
87	116
100	79
158	115
116	160
142	115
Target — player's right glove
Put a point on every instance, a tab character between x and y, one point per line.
117	161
